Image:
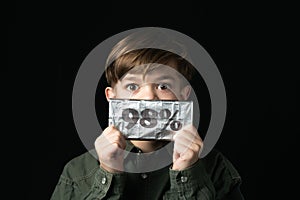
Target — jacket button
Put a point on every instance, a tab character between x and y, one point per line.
144	176
139	152
103	181
183	179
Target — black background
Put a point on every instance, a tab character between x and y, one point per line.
254	46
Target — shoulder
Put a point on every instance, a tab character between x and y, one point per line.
222	173
215	160
81	167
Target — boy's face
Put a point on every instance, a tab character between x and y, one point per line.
157	83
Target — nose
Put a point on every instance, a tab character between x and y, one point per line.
148	92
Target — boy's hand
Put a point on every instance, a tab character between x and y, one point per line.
109	147
187	146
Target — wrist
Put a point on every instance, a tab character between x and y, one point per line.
110	170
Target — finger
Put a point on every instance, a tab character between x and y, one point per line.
187	155
189	128
109	131
112	151
184	137
183	144
110	135
102	142
192	129
116	138
195	147
181	140
176	155
188	135
180	148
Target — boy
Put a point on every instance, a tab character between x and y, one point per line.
148	74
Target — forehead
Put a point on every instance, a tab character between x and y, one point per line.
152	72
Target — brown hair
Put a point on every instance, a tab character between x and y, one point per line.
128	61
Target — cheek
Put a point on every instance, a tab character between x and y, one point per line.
169	96
122	94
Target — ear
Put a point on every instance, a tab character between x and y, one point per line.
185	92
109	93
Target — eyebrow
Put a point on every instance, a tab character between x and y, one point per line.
131	78
165	77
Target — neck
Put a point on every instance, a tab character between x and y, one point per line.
148	146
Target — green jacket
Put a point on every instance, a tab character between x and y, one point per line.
212	177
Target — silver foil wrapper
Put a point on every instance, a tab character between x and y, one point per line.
149	119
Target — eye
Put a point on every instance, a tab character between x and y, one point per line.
132	87
163	86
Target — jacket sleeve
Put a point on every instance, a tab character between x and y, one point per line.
65	189
102	185
186	184
107	186
211	178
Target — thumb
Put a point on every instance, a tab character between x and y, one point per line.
176	155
